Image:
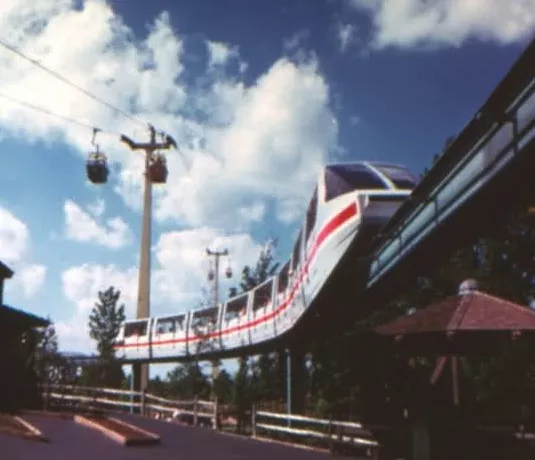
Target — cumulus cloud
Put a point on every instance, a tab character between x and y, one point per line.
15	252
234	137
31	279
411	23
220	53
346	34
88	227
14	237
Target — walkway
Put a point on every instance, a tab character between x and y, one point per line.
72	441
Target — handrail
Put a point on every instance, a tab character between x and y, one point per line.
330	431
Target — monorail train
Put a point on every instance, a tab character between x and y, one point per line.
348	201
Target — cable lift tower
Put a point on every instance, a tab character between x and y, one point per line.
213	277
155	172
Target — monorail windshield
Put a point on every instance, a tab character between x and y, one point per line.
401	177
342	179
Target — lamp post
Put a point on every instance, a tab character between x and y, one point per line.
213	276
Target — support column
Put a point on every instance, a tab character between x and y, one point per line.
295	381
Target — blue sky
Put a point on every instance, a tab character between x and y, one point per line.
258	95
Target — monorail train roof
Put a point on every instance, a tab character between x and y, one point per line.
366	175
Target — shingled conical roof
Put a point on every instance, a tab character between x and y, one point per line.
475	311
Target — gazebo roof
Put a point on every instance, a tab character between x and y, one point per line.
475	311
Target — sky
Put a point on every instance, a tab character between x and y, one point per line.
258	95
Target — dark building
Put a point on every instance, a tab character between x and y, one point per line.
18	381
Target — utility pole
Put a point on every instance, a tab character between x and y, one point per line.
213	275
140	372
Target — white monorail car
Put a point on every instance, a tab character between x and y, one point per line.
347	200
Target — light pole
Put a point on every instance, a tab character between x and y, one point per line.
213	276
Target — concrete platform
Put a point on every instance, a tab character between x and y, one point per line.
69	440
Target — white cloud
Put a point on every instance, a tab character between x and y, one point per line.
31	278
179	274
296	41
85	227
236	138
15	252
346	35
14	237
410	23
242	145
220	53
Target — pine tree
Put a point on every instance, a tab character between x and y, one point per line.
105	321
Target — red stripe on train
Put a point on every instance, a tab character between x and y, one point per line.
336	222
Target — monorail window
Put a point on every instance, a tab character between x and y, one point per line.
170	325
283	278
312	213
236	307
297	252
341	179
401	177
262	295
135	328
205	317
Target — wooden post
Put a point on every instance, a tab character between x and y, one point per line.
143	402
195	411
330	434
253	421
421	447
216	415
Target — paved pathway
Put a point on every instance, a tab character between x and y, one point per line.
71	441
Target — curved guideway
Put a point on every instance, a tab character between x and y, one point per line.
72	441
488	164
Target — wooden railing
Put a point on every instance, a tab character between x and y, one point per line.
300	429
197	412
333	434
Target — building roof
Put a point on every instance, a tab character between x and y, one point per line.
5	271
14	318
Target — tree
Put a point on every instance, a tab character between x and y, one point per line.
187	381
254	380
223	386
105	322
47	360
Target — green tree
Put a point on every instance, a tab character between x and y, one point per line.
223	387
187	381
265	370
47	360
105	320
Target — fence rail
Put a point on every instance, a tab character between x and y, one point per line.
292	427
334	434
145	402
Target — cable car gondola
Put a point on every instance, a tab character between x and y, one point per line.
97	164
97	168
158	169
